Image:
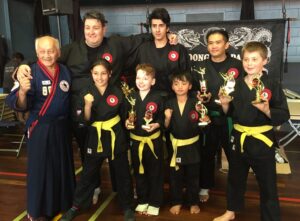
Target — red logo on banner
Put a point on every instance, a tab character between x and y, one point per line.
266	94
152	107
173	56
112	100
233	71
108	57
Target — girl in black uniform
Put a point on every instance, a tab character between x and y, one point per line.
104	111
259	104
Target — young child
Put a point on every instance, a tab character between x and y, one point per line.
181	119
253	138
102	108
50	169
146	137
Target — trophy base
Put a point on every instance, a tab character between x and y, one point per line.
202	123
218	101
258	102
146	127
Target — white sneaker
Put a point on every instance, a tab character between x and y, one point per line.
142	208
97	192
152	211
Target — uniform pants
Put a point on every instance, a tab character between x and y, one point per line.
149	186
86	185
261	159
186	176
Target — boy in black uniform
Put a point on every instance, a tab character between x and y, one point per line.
165	58
147	144
217	134
259	104
181	120
104	110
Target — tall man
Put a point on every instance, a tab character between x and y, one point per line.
217	135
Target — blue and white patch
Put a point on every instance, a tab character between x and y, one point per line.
64	86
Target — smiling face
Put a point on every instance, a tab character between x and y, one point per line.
47	51
94	32
100	76
253	62
159	29
144	81
217	46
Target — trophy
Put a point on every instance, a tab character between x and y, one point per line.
259	87
147	118
202	110
131	114
203	84
229	83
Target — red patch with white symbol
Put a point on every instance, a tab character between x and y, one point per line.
266	94
194	116
234	72
173	55
108	57
112	100
152	107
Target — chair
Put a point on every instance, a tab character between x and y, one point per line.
294	122
8	120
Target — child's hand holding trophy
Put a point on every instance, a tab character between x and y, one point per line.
130	122
202	110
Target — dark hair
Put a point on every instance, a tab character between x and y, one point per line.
148	68
162	14
220	31
182	76
18	55
93	14
104	63
253	46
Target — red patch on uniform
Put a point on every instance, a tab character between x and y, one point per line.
108	57
194	116
266	94
112	100
234	72
173	55
152	107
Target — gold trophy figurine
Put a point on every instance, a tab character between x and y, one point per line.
131	114
228	86
202	110
203	84
258	85
148	118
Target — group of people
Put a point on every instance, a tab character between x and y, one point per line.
77	88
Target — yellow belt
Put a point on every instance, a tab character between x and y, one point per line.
178	143
143	141
107	125
254	132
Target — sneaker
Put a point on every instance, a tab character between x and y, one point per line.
152	211
142	208
129	215
69	215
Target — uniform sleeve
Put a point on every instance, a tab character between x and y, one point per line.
184	59
65	51
278	105
160	115
124	108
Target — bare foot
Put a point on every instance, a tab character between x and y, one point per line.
228	215
195	209
175	210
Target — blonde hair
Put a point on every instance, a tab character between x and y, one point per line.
48	37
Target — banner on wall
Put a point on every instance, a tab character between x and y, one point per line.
269	32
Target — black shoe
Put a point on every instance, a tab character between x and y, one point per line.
129	215
69	215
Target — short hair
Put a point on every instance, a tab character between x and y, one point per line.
94	14
56	42
103	62
255	46
162	14
148	68
182	76
220	31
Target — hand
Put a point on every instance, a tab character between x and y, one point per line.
25	85
206	118
204	99
23	71
168	114
127	123
263	107
153	126
88	99
173	39
224	100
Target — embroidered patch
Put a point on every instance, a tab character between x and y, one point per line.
194	116
89	150
108	57
151	106
266	94
112	100
78	112
234	72
173	55
64	86
178	160
46	82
